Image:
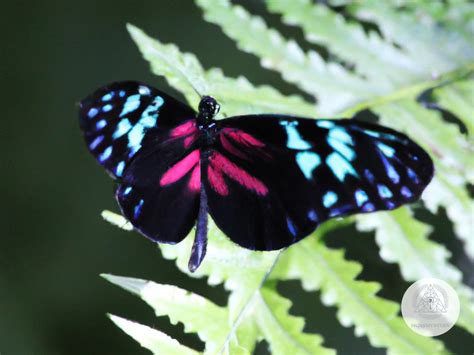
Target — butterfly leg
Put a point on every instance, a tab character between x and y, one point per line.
198	251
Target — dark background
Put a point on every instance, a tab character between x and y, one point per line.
53	243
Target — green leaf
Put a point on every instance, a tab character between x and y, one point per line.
435	47
404	240
197	314
334	86
320	268
238	96
458	98
151	339
384	65
284	332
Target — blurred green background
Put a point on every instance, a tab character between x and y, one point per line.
53	243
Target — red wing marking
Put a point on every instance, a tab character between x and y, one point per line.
230	147
188	127
187	130
217	181
181	168
220	165
194	183
244	138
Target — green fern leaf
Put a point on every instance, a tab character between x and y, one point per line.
184	72
404	240
321	268
151	339
334	86
284	332
384	65
458	98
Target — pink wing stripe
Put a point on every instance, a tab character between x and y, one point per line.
238	174
230	148
194	183
180	169
245	138
184	129
217	181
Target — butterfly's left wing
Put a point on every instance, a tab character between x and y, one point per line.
271	180
144	138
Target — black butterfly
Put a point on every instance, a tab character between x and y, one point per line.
267	180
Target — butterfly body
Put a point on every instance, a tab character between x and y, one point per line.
267	180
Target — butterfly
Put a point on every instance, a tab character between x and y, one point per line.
267	180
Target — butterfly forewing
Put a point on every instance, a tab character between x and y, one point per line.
117	118
272	179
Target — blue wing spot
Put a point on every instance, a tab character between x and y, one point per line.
313	216
340	140
105	154
308	161
390	205
388	151
132	103
324	124
107	108
122	93
291	226
143	90
406	192
413	176
329	199
384	192
339	166
361	197
371	133
147	120
95	143
92	112
341	135
368	207
295	141
100	124
127	190
369	176
119	169
138	209
392	174
108	97
341	148
123	127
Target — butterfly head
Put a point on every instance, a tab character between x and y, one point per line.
208	109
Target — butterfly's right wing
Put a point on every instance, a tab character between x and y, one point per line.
271	180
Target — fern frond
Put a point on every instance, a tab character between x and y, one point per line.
404	240
458	98
184	72
384	65
434	47
152	339
334	86
320	268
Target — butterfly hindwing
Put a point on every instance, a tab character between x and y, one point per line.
271	180
159	191
116	118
